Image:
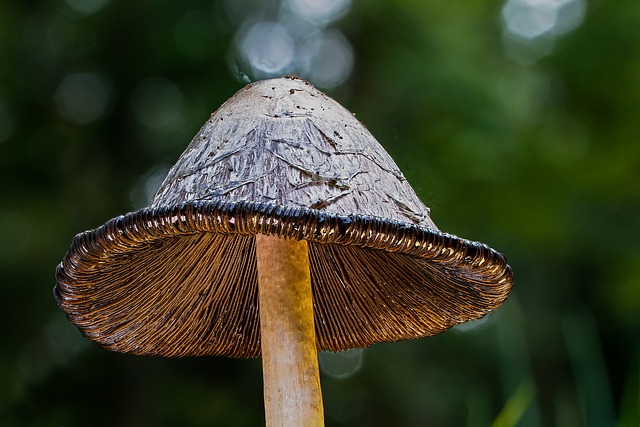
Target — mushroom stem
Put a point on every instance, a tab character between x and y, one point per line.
292	394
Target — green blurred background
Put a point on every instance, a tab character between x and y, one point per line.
517	122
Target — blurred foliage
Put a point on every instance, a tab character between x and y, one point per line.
538	158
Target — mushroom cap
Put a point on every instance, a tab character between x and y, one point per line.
281	158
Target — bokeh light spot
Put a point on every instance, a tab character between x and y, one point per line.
530	27
327	59
525	91
533	18
268	48
341	365
86	7
529	18
320	12
83	97
292	37
570	14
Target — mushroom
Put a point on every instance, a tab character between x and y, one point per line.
284	229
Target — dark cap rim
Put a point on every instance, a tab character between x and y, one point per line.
459	260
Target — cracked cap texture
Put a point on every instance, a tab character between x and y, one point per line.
284	142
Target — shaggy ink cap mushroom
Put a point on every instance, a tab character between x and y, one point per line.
280	158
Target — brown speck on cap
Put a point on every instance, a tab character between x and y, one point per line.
179	278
